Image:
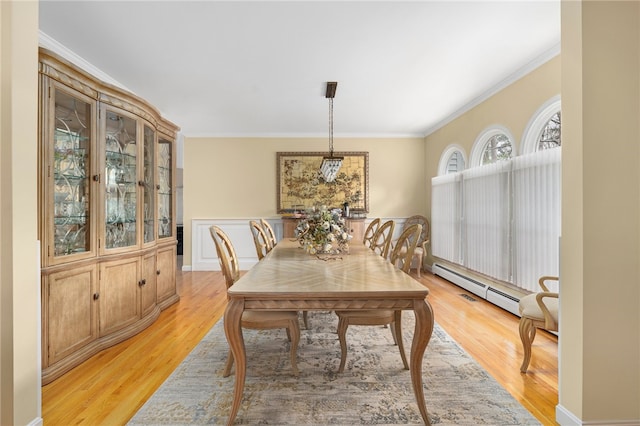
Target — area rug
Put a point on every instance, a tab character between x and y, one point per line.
374	388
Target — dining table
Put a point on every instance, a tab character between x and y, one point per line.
290	279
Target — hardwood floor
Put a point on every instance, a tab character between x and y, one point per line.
110	387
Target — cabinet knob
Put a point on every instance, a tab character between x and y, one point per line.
96	178
140	183
158	272
96	296
142	282
158	187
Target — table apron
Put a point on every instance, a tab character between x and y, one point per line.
328	304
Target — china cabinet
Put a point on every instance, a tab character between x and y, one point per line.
106	214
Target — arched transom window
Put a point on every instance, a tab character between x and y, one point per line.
497	148
550	135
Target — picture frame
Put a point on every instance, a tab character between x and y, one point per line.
300	184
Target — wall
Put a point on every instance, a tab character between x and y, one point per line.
20	394
512	108
599	381
231	178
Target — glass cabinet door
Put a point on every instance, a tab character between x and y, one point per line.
71	171
165	189
120	198
149	213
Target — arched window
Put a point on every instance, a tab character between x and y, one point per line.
452	160
544	128
493	145
550	136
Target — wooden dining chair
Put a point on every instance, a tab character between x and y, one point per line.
371	232
423	239
382	239
257	320
388	317
260	239
537	310
271	236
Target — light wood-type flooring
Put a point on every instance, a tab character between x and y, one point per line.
110	387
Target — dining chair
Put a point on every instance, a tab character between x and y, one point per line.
537	310
371	232
382	239
259	239
271	236
423	240
256	320
392	318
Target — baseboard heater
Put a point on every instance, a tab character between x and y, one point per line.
469	284
499	298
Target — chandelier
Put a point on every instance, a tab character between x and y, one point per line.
330	165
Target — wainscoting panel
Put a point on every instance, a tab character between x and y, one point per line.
203	252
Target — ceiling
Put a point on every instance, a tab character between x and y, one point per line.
240	68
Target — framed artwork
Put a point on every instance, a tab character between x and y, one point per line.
301	185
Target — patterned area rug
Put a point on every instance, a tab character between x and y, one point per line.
374	388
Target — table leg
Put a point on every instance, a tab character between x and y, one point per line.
421	337
233	331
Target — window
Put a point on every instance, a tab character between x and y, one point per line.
550	136
452	160
498	148
493	145
543	131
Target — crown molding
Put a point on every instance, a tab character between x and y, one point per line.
56	47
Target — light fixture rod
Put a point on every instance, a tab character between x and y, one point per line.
331	89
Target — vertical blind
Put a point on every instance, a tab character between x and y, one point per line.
446	219
536	218
502	219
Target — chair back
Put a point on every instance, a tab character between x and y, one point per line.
402	253
226	255
259	239
425	234
371	232
382	239
271	236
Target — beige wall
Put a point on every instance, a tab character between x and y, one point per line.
19	275
600	252
231	178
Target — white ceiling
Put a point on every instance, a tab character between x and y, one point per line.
240	68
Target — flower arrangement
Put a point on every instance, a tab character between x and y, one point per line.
322	231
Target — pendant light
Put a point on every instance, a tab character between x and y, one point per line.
330	165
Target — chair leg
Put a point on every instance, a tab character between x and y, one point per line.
294	331
228	365
397	326
342	336
419	265
527	334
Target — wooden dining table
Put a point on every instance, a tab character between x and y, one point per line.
289	279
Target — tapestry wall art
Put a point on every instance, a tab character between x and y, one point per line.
301	185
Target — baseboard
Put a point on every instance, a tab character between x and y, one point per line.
38	421
566	418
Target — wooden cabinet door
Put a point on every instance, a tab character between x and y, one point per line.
69	312
166	275
289	227
119	294
356	229
147	283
